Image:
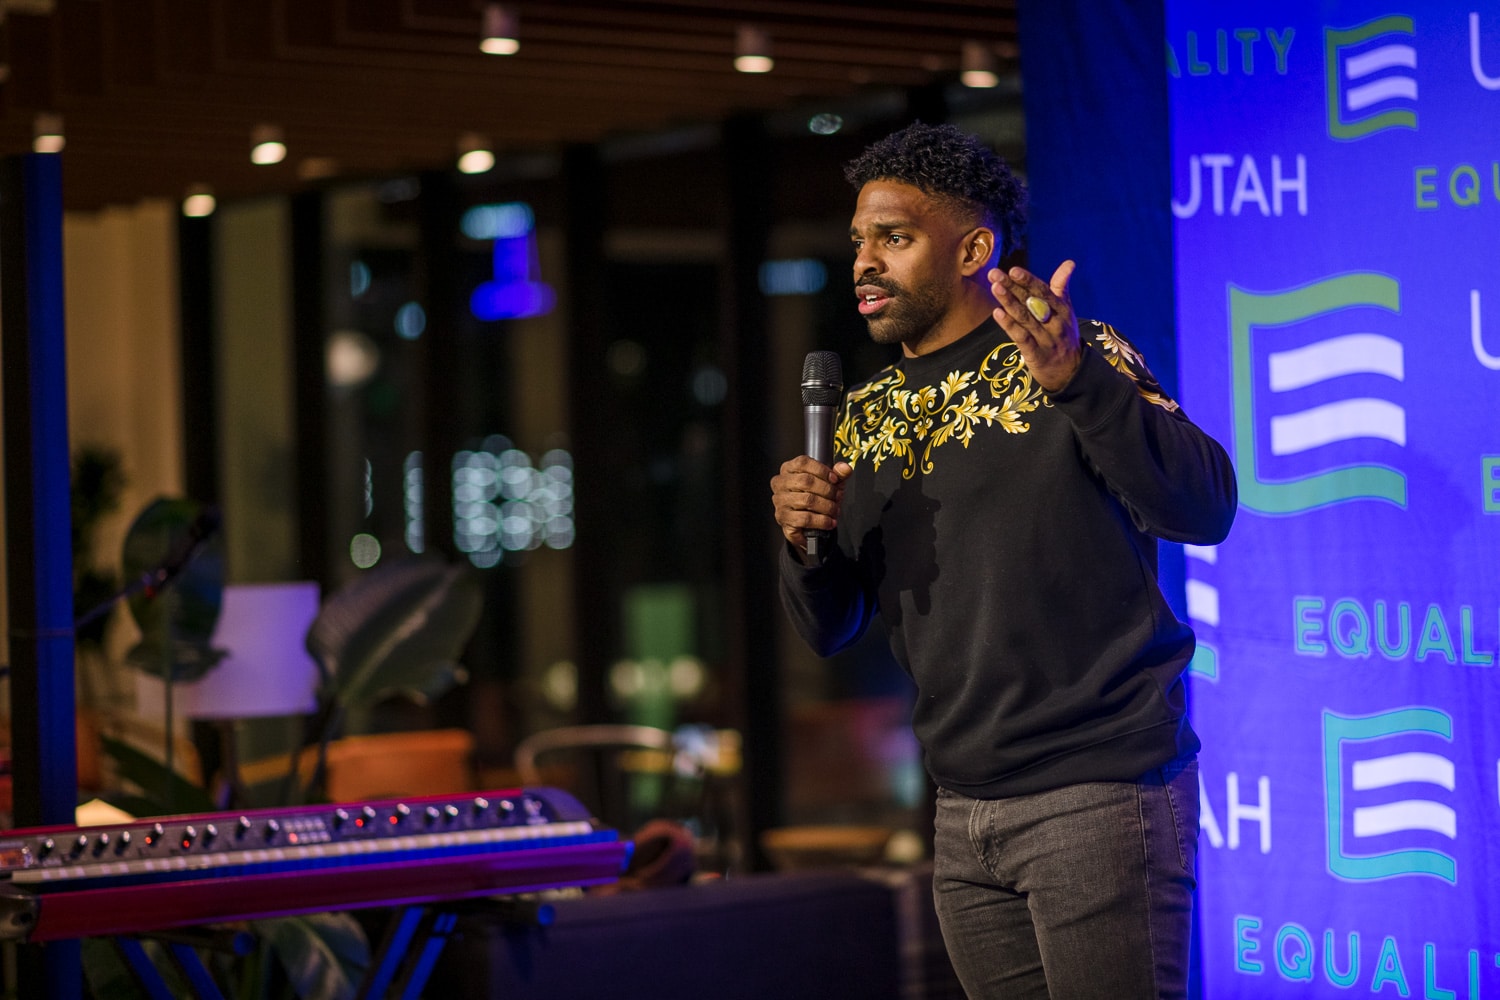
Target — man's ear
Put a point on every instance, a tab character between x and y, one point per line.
979	251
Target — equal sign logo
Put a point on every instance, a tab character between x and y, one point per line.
1398	794
1371	77
1350	354
1313	364
1202	609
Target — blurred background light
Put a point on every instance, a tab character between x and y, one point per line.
824	124
752	50
503	503
500	31
199	202
474	154
350	358
977	66
502	221
364	550
267	145
411	490
359	278
800	276
47	133
411	321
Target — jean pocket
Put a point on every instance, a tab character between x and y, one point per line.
1180	785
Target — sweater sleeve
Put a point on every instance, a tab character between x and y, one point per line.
1176	481
830	606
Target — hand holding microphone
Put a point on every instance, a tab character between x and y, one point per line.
806	493
822	385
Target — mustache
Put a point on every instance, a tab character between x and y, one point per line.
885	286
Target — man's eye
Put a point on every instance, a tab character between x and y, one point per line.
896	238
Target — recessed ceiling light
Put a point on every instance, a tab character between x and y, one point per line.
47	136
267	145
752	50
474	154
199	202
977	66
500	31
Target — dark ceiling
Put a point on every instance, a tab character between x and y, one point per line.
160	95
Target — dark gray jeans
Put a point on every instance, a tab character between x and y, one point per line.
1079	892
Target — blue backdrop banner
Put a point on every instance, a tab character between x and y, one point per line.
1336	191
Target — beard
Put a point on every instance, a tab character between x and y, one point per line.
909	315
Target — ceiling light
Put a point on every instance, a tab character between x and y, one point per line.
474	154
978	66
752	50
267	145
199	202
48	134
499	34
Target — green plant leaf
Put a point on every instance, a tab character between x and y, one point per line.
399	627
96	484
163	792
177	623
325	955
188	661
437	680
107	973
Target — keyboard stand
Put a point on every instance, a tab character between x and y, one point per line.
399	968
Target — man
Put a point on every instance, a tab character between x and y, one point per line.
996	499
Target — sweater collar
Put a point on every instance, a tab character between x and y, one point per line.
944	358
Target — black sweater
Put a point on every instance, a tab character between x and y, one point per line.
1006	537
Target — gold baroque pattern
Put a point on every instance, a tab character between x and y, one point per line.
1125	358
885	420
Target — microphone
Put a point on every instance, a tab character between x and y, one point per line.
822	385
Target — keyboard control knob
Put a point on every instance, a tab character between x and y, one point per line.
399	814
271	829
101	844
340	817
123	842
78	846
241	827
432	814
450	812
210	834
46	847
189	834
480	805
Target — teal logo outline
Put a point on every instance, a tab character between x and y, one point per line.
1335	39
1205	662
1248	310
1340	729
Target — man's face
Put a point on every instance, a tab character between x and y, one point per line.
907	249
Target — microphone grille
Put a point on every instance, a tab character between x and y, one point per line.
822	379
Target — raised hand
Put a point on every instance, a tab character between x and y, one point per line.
1039	319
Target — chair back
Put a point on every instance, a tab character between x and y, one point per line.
626	774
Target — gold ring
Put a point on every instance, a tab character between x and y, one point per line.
1039	308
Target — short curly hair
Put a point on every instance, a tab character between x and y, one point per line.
947	162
